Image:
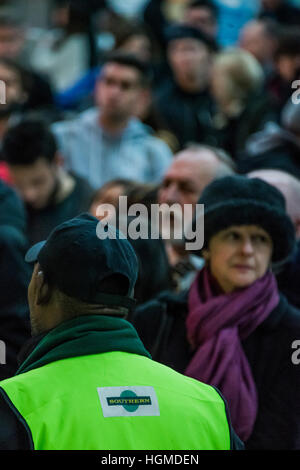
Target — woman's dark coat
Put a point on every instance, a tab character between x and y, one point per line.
271	351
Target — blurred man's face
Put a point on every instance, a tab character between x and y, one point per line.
109	196
288	67
14	93
60	16
254	39
11	42
190	61
185	180
201	18
35	183
117	91
182	187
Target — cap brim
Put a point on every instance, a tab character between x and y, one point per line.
33	252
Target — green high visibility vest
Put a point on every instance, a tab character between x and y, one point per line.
117	401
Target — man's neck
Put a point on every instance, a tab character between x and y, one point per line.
112	126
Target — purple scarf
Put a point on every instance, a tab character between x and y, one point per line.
215	325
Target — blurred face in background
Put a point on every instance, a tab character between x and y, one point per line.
288	67
35	183
255	39
108	195
11	41
191	61
201	18
186	178
14	93
117	91
60	16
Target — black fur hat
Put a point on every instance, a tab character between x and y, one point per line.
238	200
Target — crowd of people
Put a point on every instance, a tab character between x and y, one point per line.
187	103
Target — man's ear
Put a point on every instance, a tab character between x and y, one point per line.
43	290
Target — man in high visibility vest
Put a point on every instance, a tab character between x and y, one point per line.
87	382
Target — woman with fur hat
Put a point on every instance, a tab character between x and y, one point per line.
233	329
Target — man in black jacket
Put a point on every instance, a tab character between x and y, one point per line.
50	193
281	11
185	101
15	275
80	293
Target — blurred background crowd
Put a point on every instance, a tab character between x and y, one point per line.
150	99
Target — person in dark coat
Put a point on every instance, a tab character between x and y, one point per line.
15	275
233	329
275	147
242	105
286	71
51	195
184	100
281	11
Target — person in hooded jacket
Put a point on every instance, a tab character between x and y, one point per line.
232	328
108	142
14	275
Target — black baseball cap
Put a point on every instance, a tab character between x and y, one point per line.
82	252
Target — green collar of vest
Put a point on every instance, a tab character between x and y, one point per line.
91	334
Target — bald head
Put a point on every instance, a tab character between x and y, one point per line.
256	38
289	186
191	171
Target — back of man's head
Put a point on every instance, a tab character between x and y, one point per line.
85	267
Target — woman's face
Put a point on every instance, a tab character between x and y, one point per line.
238	256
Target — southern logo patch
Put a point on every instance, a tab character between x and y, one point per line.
128	401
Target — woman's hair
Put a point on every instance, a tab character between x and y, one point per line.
80	21
124	183
243	71
142	193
